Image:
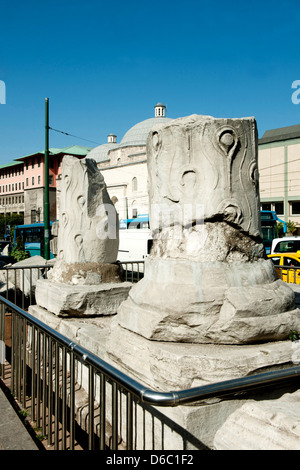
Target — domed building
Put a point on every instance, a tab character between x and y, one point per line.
124	166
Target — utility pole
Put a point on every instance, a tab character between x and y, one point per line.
46	196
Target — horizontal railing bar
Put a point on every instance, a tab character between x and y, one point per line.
130	262
152	397
31	266
286	267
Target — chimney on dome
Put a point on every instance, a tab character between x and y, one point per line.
160	110
111	139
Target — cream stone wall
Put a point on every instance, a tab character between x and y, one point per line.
127	187
279	178
271	176
294	170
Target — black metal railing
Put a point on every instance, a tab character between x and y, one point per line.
70	388
17	283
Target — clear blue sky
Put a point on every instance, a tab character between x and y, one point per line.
104	65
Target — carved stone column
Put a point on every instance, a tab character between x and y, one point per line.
85	279
207	279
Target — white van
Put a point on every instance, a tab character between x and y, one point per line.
285	245
134	245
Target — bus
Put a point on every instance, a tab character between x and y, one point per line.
139	222
269	228
31	237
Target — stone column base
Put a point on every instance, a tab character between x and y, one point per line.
81	300
220	303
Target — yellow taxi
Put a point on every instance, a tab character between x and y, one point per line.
286	265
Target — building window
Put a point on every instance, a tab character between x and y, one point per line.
32	163
295	208
39	179
27	182
134	213
39	161
51	179
266	206
134	184
32	181
278	207
35	216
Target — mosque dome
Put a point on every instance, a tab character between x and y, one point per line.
100	153
136	135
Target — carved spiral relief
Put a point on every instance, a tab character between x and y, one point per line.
231	211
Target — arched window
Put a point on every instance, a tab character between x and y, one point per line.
134	184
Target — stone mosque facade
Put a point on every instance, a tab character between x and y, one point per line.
124	166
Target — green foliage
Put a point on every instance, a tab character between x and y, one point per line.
19	255
18	252
280	229
294	335
11	220
291	228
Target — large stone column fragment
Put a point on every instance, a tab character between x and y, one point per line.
88	229
207	278
85	279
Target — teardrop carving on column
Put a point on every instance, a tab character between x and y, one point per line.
226	140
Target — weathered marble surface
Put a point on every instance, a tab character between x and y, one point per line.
262	425
81	300
88	227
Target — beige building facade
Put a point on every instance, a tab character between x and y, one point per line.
279	172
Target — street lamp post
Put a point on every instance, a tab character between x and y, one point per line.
46	196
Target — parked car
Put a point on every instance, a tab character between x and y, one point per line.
289	262
285	245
